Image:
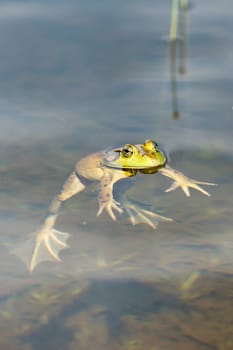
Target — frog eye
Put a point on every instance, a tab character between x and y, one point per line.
151	145
156	146
127	151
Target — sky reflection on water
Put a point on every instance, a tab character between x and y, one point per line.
88	67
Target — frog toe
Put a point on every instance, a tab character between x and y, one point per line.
138	215
184	182
109	206
44	246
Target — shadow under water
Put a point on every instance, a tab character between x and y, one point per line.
131	314
122	286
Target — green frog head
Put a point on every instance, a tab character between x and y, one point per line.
136	157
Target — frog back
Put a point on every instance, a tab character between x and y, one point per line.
90	166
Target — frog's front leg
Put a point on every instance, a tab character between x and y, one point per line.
184	182
47	242
105	197
137	214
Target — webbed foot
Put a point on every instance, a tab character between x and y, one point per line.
184	182
43	245
137	215
109	206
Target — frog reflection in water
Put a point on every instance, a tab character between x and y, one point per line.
107	167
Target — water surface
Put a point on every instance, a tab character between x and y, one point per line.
81	76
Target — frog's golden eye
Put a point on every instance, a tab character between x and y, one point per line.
156	146
150	146
127	151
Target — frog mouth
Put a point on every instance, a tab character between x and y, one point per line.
115	165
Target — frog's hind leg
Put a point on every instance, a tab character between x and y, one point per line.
46	243
43	245
138	215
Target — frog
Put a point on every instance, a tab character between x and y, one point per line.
108	167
